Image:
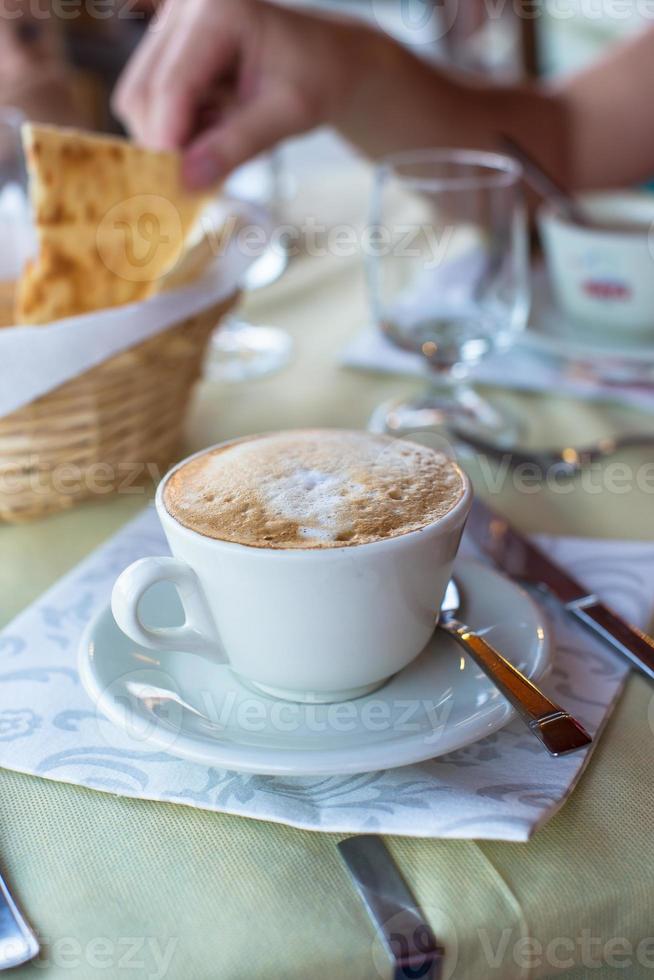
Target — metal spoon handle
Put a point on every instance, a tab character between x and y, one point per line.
545	184
559	732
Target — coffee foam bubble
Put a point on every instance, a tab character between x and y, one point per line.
313	489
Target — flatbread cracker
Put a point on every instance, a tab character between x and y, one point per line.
112	220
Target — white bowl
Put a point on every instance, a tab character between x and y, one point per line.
604	277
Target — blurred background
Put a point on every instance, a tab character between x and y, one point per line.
59	62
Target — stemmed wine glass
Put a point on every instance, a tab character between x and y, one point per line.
448	273
17	232
238	350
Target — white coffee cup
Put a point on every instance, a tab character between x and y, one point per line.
603	275
321	624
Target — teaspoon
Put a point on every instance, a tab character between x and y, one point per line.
559	732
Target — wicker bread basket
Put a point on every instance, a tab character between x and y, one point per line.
116	426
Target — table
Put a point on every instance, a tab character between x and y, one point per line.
119	887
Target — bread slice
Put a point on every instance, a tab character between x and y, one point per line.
112	220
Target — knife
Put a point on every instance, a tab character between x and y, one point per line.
18	944
520	558
400	923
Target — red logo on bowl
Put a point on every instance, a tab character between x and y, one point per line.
606	289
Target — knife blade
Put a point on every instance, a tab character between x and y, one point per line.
18	944
521	558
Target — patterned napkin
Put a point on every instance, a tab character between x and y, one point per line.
503	787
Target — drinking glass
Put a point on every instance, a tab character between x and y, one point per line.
238	350
14	207
448	278
16	227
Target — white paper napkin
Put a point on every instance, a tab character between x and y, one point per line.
38	359
520	368
527	366
502	787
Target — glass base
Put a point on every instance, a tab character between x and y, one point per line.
239	351
455	412
267	269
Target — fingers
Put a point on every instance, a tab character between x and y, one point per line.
254	127
131	95
160	92
224	78
188	73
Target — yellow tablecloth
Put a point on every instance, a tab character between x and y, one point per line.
112	883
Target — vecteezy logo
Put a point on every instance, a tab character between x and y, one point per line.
148	230
416	22
136	235
410	943
150	711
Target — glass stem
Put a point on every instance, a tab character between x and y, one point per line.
443	382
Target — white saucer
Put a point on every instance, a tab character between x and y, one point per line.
619	356
439	703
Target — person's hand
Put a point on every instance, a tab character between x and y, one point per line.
227	79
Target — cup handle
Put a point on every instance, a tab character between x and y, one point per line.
197	635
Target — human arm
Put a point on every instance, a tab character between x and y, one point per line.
226	79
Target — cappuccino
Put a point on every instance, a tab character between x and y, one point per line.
313	488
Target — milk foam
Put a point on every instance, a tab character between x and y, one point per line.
313	499
313	489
